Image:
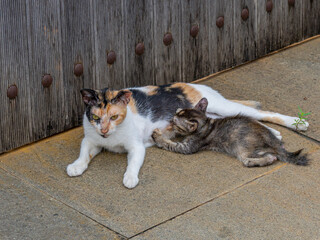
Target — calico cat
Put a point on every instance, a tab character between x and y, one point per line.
241	137
123	121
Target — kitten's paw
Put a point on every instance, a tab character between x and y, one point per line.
76	169
130	180
157	134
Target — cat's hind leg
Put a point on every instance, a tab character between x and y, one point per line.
266	159
249	103
227	108
87	152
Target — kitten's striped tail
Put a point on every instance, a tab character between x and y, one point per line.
293	157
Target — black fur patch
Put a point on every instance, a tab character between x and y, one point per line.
163	104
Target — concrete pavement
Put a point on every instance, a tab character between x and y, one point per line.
202	196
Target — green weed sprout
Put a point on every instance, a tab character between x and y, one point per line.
302	118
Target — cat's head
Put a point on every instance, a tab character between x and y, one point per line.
106	109
188	121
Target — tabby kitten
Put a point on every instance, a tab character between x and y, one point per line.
252	143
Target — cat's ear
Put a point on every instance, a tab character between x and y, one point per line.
89	97
202	105
122	97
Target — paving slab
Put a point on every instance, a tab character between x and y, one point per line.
284	204
170	183
281	82
27	213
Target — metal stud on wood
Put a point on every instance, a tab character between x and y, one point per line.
220	22
46	80
139	49
245	14
111	57
12	91
269	6
78	69
167	39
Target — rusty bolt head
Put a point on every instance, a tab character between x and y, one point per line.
291	2
140	49
78	69
245	14
269	6
12	91
46	80
220	22
111	57
167	39
194	31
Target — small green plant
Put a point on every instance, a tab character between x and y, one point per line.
302	118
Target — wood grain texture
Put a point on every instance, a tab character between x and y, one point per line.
221	39
50	37
311	18
195	51
45	57
291	23
139	29
16	114
269	30
245	31
167	19
77	47
109	19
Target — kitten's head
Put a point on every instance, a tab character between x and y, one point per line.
188	121
106	109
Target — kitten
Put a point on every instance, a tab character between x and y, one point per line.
241	137
123	121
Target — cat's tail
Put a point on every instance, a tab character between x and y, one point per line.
293	157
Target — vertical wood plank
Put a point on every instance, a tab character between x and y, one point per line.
221	39
45	57
109	36
167	19
77	47
139	29
291	23
16	128
245	31
269	27
311	18
195	51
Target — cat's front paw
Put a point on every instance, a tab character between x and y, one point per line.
76	169
130	180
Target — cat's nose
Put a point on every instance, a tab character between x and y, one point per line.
104	131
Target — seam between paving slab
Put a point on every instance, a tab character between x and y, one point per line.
59	201
214	198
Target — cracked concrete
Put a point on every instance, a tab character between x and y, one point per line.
202	196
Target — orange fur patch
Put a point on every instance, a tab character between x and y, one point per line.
152	90
132	105
274	120
111	94
191	93
246	103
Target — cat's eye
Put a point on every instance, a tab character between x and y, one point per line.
114	117
95	117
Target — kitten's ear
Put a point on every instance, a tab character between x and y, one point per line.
202	105
89	97
122	97
178	110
